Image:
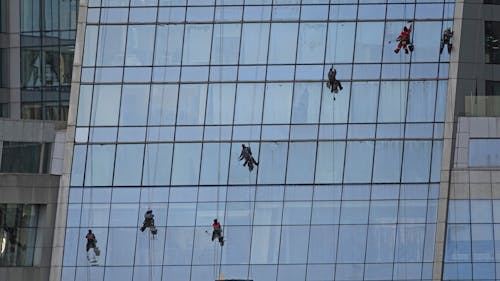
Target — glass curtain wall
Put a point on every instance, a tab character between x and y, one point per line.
48	30
347	184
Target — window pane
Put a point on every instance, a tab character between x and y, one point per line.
380	244
186	164
323	243
18	234
458	243
301	159
249	104
369	36
359	157
428	35
111	47
265	248
21	157
100	162
134	105
220	104
364	98
340	42
157	164
421	100
293	249
140	40
214	167
416	161
116	254
283	43
197	35
352	243
491	44
392	101
163	104
484	152
90	50
128	169
191	107
254	43
311	43
272	164
387	165
410	243
306	98
226	42
105	105
278	103
168	49
330	162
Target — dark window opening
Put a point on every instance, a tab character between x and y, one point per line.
492	44
492	88
25	157
3	68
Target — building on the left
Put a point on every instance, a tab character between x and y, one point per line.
37	40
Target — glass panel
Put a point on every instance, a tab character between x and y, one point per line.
249	99
214	167
116	254
351	244
18	234
330	162
369	36
484	152
197	35
380	243
410	242
186	164
134	105
265	248
301	159
192	101
140	40
100	162
90	50
111	47
311	43
340	42
283	43
387	165
157	164
421	100
163	105
359	157
278	103
168	49
392	101
416	161
128	168
105	105
297	213
220	104
272	163
225	45
254	43
292	246
363	108
306	99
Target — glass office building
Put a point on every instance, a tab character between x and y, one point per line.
347	185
